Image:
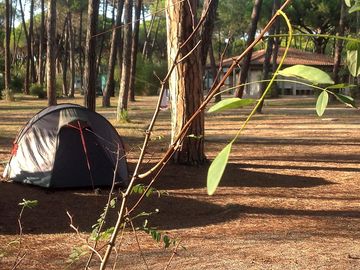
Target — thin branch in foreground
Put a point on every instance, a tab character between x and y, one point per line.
177	140
172	255
137	242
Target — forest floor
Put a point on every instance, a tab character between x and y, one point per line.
289	199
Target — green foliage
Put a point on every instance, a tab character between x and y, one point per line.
311	74
322	103
157	235
353	58
77	253
354	7
140	189
147	74
96	234
28	203
17	83
217	169
38	90
349	101
231	103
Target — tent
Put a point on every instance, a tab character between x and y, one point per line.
67	146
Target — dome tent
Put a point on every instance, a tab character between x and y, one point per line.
67	145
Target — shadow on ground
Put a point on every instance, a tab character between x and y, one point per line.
234	176
175	212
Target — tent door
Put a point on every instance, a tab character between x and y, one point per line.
71	167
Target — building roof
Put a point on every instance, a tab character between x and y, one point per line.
293	57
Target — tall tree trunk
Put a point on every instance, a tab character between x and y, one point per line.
185	82
150	49
81	53
267	59
134	49
90	75
31	37
115	40
119	53
65	89
277	24
245	65
126	64
72	55
214	70
145	52
206	33
41	45
7	81
51	53
339	45
27	69
207	28
102	40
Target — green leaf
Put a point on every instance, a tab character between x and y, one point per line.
230	103
113	203
322	102
349	101
353	62
341	86
352	45
355	7
217	168
348	3
312	74
28	203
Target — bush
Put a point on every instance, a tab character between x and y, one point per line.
146	83
37	90
17	83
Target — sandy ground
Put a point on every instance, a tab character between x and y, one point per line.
289	199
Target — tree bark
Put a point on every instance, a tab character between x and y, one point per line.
41	45
81	53
7	79
28	46
126	64
134	49
339	45
207	28
214	70
71	55
90	74
145	49
51	53
267	59
65	89
115	40
245	65
102	39
185	82
31	37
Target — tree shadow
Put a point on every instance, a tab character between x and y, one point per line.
85	207
234	176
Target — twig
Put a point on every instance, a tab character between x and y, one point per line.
181	134
19	257
213	92
138	243
81	238
106	208
172	255
142	154
117	249
18	261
